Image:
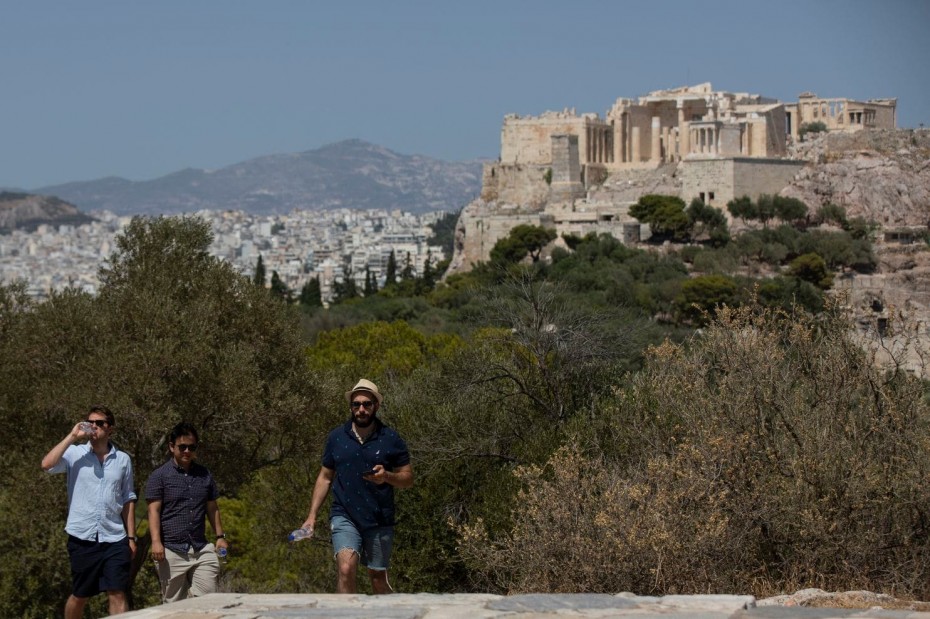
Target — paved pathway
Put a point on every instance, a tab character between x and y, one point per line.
480	606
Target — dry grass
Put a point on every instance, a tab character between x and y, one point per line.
769	454
855	600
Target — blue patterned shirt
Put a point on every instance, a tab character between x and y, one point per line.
365	503
97	492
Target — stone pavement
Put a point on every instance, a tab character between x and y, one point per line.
486	606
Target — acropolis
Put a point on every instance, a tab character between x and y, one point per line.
580	173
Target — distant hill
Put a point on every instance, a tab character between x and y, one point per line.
27	212
350	174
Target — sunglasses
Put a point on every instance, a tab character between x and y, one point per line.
100	423
363	404
192	447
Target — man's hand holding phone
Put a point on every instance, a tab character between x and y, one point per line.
376	474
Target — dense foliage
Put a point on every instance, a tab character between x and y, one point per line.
174	334
769	454
570	430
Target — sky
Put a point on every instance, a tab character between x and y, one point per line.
140	89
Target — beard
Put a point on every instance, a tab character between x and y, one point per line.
364	423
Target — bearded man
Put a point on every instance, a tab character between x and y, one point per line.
363	461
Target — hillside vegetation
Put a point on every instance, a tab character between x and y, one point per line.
585	419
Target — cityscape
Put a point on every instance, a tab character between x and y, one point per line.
299	246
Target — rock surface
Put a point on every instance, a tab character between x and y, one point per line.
485	606
28	211
881	176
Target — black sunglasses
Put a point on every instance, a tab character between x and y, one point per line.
365	403
100	423
192	447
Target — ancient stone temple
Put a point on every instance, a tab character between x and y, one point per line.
671	125
841	114
579	173
688	122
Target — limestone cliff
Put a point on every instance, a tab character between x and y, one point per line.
884	177
881	176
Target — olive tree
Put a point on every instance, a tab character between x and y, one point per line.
174	334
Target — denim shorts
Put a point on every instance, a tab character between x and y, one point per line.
373	546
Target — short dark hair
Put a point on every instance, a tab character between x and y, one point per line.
183	429
103	410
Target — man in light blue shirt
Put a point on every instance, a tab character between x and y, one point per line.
101	512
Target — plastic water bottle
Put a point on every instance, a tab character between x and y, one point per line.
298	534
221	553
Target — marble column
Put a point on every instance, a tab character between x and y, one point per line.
634	145
655	154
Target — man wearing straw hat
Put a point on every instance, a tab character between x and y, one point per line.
363	461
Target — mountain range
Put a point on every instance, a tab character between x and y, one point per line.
348	174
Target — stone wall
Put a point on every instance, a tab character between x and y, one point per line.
565	185
712	177
528	140
481	225
752	177
515	184
721	180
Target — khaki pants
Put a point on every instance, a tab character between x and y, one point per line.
188	574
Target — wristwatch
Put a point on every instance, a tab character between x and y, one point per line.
133	538
221	536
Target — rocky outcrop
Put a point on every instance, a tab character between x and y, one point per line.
881	176
604	209
628	186
28	211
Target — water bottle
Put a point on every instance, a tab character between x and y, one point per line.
221	554
298	534
88	427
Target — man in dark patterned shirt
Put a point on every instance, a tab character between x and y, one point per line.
181	494
363	461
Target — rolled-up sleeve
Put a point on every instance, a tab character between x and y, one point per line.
129	489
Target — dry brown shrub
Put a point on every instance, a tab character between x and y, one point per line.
768	455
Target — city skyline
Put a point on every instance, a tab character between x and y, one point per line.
298	246
140	90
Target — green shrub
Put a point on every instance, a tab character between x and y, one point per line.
811	268
701	295
811	127
769	454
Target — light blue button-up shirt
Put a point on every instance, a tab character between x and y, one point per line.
96	492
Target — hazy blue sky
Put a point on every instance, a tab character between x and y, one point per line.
139	89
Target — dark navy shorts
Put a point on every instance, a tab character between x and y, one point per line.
98	566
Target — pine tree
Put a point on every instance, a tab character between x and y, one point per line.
428	281
390	274
371	285
407	273
279	289
310	294
346	289
259	278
